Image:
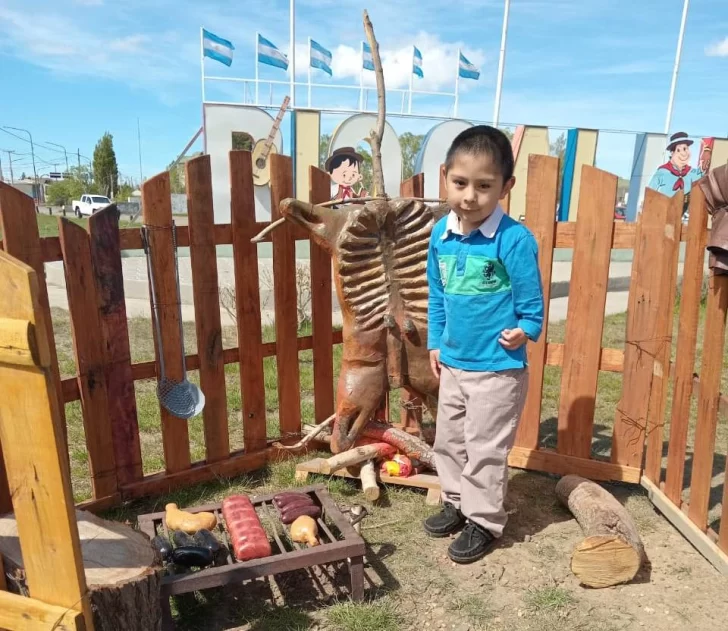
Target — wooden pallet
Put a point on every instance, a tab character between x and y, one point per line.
427	481
346	545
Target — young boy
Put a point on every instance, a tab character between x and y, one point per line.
486	302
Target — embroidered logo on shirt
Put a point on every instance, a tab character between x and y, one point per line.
443	273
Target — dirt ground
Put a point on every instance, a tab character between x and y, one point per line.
524	583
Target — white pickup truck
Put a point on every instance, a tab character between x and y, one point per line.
89	204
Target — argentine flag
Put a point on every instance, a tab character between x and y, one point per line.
467	70
270	55
217	48
366	57
320	57
417	64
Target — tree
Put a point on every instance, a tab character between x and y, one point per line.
106	171
72	187
410	144
558	148
125	191
22	175
324	143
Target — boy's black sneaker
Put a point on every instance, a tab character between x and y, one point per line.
446	522
472	544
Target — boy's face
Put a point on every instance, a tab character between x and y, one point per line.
474	187
681	155
347	173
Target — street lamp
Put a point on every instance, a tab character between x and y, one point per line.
32	149
65	153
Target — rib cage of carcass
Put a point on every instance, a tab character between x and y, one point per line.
379	251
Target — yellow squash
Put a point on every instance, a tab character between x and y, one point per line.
188	522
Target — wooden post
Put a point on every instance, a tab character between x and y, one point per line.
665	316
541	190
34	455
587	298
686	341
710	375
284	288
321	307
157	213
21	240
89	351
203	260
103	228
247	300
655	230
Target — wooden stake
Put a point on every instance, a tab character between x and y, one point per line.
309	435
376	135
357	455
369	485
612	551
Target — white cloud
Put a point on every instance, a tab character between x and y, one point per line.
439	64
719	49
129	44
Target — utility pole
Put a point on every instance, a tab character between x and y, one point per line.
10	159
139	143
79	163
32	152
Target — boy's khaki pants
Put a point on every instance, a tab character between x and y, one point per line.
477	417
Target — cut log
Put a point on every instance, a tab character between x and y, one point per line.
611	552
357	455
120	567
369	485
411	446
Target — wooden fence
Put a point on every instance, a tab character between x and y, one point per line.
105	380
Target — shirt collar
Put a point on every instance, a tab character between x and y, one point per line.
488	228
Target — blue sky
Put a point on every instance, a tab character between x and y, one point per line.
72	69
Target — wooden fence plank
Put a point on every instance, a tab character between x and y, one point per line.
36	460
89	352
411	405
247	298
284	289
321	308
157	213
21	240
686	342
643	342
723	538
664	325
585	320
29	614
203	261
710	375
103	228
541	194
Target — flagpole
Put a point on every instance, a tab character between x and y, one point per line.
293	53
412	76
501	65
361	79
678	54
309	72
255	49
457	85
202	61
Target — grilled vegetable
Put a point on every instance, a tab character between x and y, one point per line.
181	538
304	530
162	545
207	540
192	556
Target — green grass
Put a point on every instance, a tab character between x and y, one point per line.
349	616
548	599
48	224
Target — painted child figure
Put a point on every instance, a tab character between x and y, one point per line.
344	166
485	303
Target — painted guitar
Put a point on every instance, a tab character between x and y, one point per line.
263	149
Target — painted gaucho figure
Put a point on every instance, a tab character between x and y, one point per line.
677	174
344	166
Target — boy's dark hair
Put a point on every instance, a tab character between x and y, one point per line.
339	160
483	139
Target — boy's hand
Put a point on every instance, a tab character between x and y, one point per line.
435	363
512	339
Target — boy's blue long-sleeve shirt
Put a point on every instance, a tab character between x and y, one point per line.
479	285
